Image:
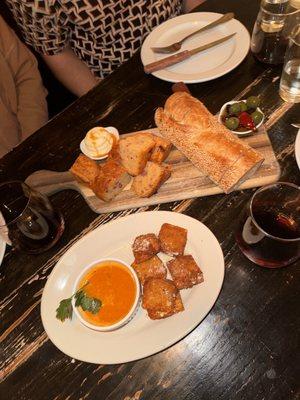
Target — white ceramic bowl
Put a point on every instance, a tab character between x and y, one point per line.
131	312
114	131
245	133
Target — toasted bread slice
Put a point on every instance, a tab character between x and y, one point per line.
161	149
114	153
110	181
153	176
135	152
84	169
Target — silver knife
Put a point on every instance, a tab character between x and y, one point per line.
183	55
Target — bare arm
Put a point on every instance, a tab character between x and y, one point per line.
73	73
188	5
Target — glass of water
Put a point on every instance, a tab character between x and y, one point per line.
290	79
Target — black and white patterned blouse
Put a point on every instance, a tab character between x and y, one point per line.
103	33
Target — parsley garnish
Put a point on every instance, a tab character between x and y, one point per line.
65	308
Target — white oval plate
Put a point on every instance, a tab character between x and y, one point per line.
206	65
297	149
142	336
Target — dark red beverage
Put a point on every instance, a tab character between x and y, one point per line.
31	223
38	233
269	230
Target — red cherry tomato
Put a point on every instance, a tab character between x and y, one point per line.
246	121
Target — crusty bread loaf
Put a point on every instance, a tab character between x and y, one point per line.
110	181
84	169
135	152
153	176
161	149
209	145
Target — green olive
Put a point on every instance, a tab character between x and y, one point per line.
232	123
253	102
243	106
257	117
234	109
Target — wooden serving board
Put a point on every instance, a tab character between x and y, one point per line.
185	182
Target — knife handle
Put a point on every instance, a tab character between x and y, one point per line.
167	62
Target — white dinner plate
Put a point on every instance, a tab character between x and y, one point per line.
141	337
2	242
206	65
297	149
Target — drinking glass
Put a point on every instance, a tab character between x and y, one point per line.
275	21
31	224
289	89
268	232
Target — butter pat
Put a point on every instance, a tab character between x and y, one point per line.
99	141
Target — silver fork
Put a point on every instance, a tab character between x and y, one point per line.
177	45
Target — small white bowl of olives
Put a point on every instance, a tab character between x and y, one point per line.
242	117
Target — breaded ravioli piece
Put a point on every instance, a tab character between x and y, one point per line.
152	268
185	272
145	247
172	239
161	298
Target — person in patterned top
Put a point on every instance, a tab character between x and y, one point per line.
23	105
84	40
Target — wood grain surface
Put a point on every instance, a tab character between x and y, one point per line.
247	348
186	180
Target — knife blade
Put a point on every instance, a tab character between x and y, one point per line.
183	55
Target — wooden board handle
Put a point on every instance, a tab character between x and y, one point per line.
50	182
167	62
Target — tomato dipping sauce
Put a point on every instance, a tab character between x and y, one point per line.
113	284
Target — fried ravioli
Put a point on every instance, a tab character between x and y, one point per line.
172	239
145	247
161	298
185	272
152	268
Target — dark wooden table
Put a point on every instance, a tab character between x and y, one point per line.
246	348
